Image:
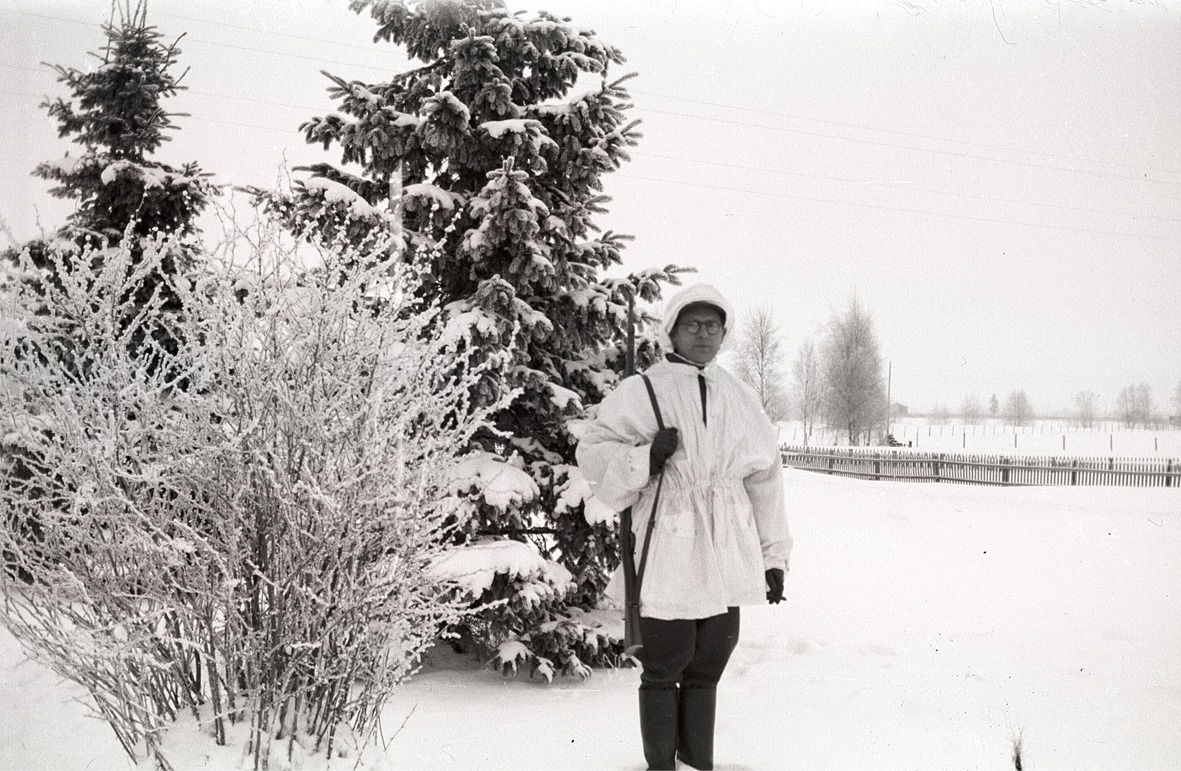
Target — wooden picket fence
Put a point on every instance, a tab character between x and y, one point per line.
978	469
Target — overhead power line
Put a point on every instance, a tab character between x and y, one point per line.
935	151
804	132
902	186
191	39
318	59
268	32
294	131
105	4
896	132
774	113
882	207
702	118
915	135
188	90
842	124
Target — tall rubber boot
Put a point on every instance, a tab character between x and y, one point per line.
695	740
658	726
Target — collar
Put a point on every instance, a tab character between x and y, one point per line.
679	365
677	358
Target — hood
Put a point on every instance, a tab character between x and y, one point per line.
695	293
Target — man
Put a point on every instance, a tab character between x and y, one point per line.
721	538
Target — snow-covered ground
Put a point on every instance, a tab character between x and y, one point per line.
1042	437
926	626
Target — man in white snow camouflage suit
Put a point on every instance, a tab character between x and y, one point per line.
721	538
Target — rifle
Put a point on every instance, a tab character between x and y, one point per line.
632	641
633	577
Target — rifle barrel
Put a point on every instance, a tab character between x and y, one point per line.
629	367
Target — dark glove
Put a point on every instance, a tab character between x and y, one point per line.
663	445
774	585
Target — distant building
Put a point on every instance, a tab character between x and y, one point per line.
899	410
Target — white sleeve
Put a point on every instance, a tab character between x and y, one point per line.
613	451
764	486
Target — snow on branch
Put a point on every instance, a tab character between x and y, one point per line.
499	483
577	492
445	199
463	326
563	398
335	192
473	567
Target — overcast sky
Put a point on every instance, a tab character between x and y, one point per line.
999	183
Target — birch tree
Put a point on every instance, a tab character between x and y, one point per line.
1017	409
807	389
971	410
854	394
759	361
1134	405
1085	409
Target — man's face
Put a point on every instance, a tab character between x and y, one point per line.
691	335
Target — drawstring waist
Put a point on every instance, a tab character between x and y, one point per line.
674	486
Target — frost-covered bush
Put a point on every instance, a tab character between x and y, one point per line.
248	535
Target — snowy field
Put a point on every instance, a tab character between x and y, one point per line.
926	626
1042	437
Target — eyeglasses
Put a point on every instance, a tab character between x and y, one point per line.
693	327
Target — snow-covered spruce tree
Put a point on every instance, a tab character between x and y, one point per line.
494	161
261	550
115	115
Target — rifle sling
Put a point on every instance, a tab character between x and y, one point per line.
655	501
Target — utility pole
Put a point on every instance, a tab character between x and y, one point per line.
889	382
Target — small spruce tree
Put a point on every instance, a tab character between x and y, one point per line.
494	166
115	114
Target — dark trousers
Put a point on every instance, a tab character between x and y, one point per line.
683	661
691	653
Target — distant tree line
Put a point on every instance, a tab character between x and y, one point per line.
836	381
1134	407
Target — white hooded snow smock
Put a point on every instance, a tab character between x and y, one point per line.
721	520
